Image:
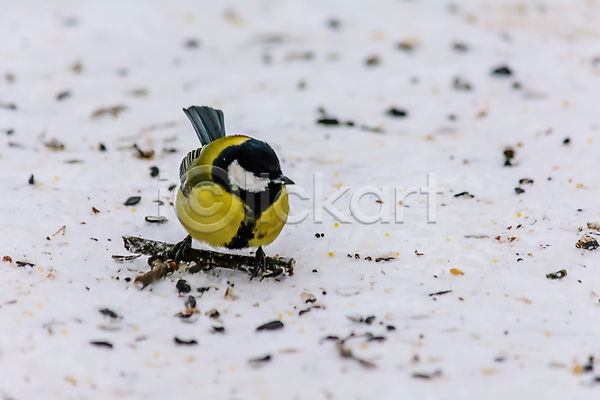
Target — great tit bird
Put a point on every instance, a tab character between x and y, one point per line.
232	192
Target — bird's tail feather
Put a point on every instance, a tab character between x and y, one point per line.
208	123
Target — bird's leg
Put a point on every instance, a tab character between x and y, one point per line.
260	264
181	249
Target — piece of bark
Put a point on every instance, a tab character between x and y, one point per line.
196	260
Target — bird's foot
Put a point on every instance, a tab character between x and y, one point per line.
260	264
181	249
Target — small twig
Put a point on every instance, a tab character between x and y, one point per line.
345	352
196	260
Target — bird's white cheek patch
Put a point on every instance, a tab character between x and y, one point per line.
242	179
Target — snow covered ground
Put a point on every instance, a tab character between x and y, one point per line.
503	331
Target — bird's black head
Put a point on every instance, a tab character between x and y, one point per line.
258	158
252	166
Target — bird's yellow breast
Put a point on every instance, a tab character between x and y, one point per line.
215	216
212	215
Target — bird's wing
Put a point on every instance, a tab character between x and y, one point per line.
208	123
184	166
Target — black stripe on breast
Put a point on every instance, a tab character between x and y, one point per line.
254	209
243	236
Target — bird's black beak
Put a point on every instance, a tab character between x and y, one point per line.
284	180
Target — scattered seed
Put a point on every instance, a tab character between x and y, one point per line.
132	201
390	328
54	145
567	141
7	259
109	313
214	314
9	106
63	95
518	190
192	43
24	264
407	45
101	147
218	329
102	344
456	271
190	302
373	61
302	312
376	339
557	275
509	154
465	195
394	112
334	23
76	68
502	71
418	375
260	360
372	129
156	219
461	84
114	111
270	326
440	293
31	180
460	47
328	121
95	210
369	320
183	287
203	289
187	316
180	342
590	365
308	298
525	181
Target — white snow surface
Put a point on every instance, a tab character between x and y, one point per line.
504	330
